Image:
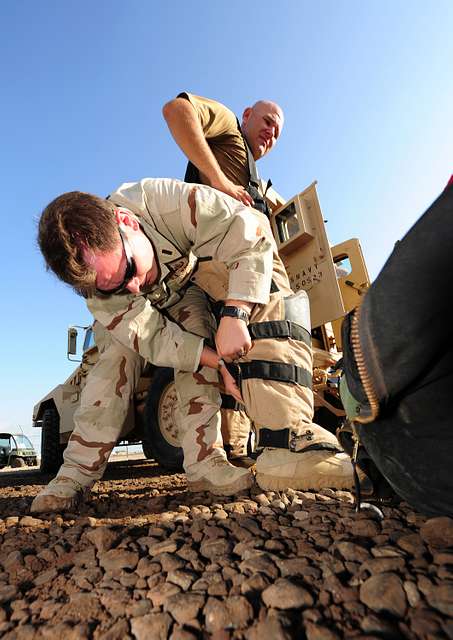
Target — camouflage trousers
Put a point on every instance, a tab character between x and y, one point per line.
106	399
271	404
236	428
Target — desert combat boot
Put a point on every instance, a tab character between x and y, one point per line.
311	459
60	495
218	476
280	469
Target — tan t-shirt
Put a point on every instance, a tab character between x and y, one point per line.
223	136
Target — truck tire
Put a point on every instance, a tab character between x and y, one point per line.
51	450
147	450
160	428
16	462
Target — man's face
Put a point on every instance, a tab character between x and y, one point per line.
133	254
262	125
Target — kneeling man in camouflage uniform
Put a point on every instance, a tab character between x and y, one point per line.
134	257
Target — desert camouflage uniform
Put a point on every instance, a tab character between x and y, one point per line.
224	137
185	222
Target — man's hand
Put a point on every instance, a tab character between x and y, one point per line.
232	339
230	384
210	358
236	191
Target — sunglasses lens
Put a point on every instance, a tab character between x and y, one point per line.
131	268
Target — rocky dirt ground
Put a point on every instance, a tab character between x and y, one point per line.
146	560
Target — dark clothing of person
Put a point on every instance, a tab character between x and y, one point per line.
404	327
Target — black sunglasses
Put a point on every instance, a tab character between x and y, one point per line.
131	268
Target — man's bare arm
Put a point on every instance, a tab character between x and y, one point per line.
187	131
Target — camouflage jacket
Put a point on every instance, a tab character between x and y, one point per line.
184	223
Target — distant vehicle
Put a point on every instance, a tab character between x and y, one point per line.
16	451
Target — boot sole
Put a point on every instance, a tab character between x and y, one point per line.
278	483
246	482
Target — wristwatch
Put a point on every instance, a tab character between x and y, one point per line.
235	312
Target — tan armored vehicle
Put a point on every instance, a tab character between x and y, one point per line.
334	277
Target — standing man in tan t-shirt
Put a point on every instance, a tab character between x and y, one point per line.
216	145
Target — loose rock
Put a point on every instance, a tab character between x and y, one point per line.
286	595
153	625
117	559
384	592
184	606
438	532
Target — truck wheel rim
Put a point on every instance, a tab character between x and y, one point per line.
167	415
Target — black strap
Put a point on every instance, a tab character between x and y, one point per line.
286	439
254	185
278	438
192	174
254	178
268	370
279	329
228	402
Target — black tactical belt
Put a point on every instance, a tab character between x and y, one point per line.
267	370
279	329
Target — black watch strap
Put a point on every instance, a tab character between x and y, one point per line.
234	312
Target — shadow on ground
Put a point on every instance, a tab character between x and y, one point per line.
125	489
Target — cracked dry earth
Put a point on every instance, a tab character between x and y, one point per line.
143	559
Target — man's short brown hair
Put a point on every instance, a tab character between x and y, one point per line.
72	222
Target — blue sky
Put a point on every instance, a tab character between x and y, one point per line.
366	88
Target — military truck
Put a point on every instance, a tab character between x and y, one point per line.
335	278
